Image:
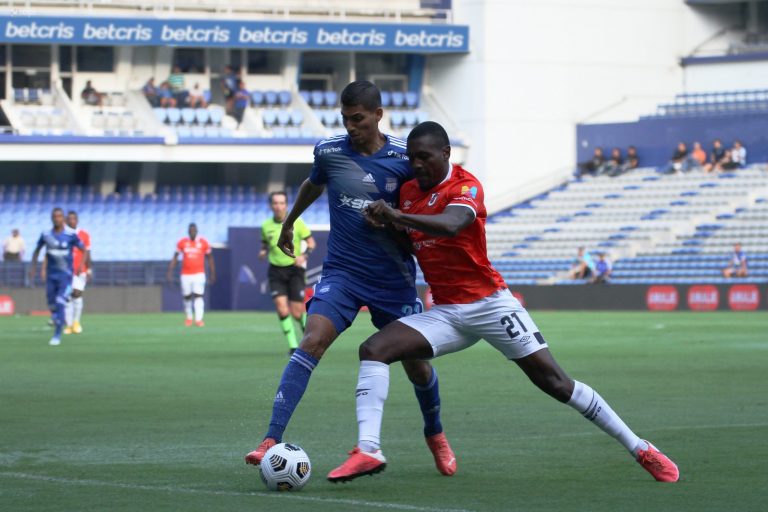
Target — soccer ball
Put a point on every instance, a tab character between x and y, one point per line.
285	467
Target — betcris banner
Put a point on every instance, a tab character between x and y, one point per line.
235	34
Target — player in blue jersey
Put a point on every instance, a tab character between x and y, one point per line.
364	266
58	271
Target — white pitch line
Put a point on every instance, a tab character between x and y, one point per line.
169	488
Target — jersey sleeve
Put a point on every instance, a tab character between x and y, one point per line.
317	175
180	247
40	241
86	238
302	230
206	247
467	193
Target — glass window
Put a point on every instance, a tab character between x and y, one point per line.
31	56
96	58
264	62
65	59
368	64
190	60
236	59
2	55
2	88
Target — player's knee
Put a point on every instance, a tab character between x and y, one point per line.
315	343
372	351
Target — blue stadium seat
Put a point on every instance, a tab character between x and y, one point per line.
188	115
316	98
160	114
283	117
409	118
20	95
269	117
297	117
330	98
202	116
217	114
257	98
396	118
284	98
270	98
386	99
174	115
398	99
411	99
305	95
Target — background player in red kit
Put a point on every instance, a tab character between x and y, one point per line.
443	212
194	250
80	260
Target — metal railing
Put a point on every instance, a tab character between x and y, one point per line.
105	273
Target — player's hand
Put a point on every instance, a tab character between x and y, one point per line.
88	275
300	260
262	254
380	212
285	242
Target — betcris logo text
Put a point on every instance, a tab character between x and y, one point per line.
32	30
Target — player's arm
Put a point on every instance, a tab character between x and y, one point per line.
80	245
211	268
171	266
264	246
35	255
450	223
308	194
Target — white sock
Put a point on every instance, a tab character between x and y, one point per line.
594	407
77	306
371	393
188	308
69	312
199	304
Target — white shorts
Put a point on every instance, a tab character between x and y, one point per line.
193	284
79	280
499	319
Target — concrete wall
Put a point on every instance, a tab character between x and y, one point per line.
122	299
537	68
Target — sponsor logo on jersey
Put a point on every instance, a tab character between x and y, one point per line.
397	155
469	192
424	243
368	178
433	199
391	185
703	297
743	297
661	298
407	204
326	151
355	203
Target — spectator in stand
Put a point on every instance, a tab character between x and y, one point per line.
13	247
176	83
196	98
681	160
739	154
716	156
591	166
699	155
727	163
91	96
603	269
242	100
583	266
613	163
151	92
228	84
738	264
166	96
632	162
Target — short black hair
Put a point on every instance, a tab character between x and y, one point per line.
191	224
432	129
277	193
72	212
58	208
363	93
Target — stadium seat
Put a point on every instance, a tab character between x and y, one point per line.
386	99
160	114
297	117
316	98
284	98
174	115
202	116
283	117
257	98
20	95
396	118
270	98
217	114
188	116
398	99
269	117
411	99
330	98
305	95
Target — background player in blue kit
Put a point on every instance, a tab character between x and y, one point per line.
58	243
364	266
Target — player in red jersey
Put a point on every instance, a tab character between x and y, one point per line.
443	213
194	250
82	260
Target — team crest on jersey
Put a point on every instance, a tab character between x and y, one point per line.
391	185
433	199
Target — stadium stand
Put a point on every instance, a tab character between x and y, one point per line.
670	229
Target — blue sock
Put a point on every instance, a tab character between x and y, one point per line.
429	401
289	392
58	319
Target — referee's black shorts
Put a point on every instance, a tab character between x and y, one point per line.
287	281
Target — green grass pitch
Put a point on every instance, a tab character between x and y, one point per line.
140	413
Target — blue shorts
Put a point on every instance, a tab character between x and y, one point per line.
339	298
58	289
